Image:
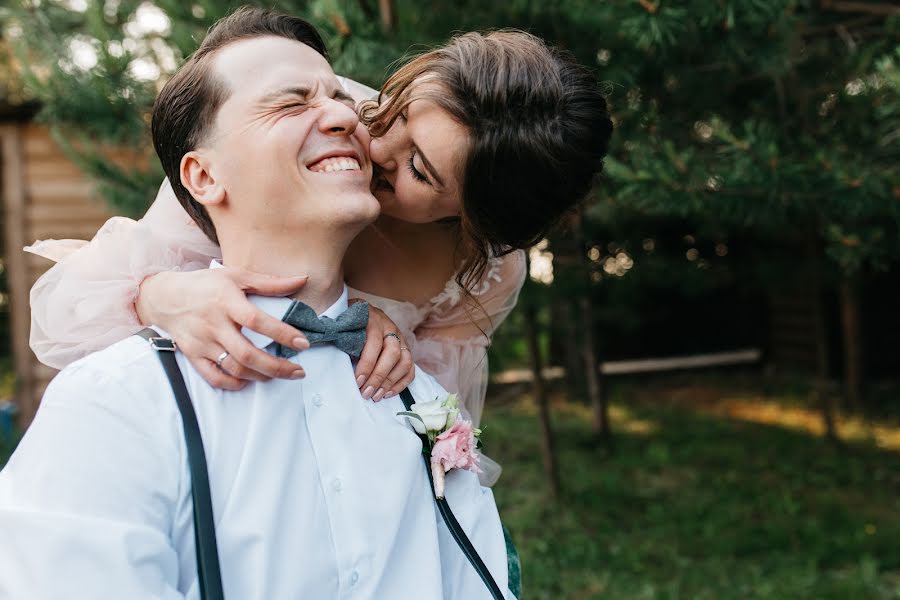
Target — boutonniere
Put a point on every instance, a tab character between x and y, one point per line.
451	439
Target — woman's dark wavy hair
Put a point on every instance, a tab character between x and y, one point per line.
538	131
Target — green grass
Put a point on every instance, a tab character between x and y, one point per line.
693	506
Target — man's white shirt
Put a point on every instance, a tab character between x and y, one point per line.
317	493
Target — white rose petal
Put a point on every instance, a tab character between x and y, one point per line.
433	413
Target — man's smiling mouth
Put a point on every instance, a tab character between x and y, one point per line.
337	163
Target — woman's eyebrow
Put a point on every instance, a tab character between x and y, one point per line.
430	167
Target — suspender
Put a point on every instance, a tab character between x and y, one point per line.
453	525
208	572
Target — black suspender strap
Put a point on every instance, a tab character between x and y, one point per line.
208	572
453	525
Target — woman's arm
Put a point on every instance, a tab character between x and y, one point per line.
153	272
86	301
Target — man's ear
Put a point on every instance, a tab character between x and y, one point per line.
198	178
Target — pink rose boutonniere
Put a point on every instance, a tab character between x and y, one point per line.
452	439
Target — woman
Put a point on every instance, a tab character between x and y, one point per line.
480	146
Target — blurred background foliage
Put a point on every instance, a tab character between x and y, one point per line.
751	200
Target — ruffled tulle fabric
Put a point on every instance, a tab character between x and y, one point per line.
85	302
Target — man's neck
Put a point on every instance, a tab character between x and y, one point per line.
319	259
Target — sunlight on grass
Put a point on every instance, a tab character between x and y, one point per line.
621	417
850	428
700	500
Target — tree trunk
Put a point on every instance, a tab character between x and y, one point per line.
821	395
567	334
539	390
850	322
590	360
599	408
388	15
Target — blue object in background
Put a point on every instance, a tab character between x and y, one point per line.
7	418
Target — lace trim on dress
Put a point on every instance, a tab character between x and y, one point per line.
452	293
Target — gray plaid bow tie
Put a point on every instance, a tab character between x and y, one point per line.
347	332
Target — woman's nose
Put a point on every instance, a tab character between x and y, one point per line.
380	151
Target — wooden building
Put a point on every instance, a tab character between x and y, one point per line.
44	196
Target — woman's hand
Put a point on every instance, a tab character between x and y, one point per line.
385	367
204	311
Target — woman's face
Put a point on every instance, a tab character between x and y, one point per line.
418	164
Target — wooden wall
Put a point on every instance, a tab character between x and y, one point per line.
44	196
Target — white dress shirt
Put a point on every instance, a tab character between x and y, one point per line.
317	493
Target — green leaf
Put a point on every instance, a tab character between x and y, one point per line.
413	415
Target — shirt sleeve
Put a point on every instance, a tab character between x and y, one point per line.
451	343
86	301
88	497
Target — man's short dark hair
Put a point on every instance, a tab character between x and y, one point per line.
186	108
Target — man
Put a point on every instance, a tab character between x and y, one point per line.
316	493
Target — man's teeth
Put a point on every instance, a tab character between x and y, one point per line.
341	163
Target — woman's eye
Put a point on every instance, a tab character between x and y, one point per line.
415	172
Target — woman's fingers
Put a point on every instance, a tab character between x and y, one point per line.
246	314
267	285
378	381
246	361
214	376
402	375
366	364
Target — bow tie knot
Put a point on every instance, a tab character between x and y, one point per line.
347	332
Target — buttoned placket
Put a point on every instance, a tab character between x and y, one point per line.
322	421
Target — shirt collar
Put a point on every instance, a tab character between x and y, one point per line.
277	307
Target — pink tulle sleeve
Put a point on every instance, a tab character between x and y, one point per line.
451	343
85	302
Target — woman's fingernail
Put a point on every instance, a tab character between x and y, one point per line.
360	380
378	395
367	393
389	395
300	343
298	375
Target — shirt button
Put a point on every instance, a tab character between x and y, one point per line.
354	577
336	485
317	400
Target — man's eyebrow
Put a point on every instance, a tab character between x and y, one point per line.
342	95
430	167
303	92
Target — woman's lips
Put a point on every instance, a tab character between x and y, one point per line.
380	184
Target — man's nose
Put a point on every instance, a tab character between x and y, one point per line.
338	118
